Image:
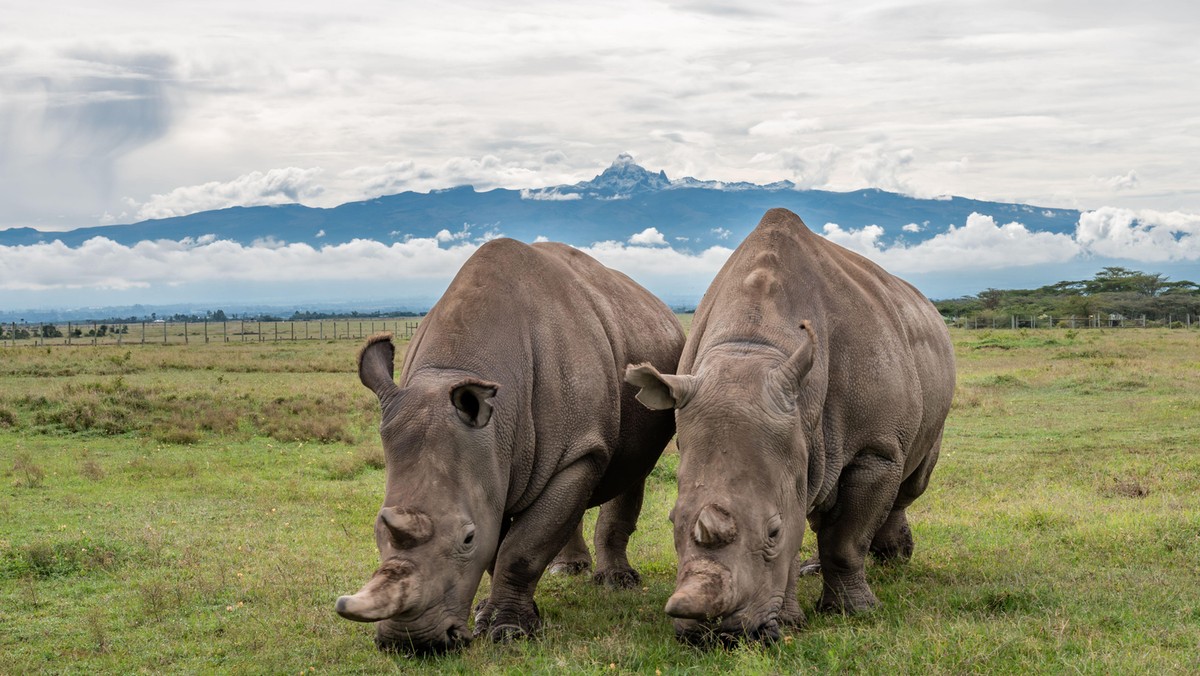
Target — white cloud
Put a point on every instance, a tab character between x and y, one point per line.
648	237
808	167
785	127
880	166
484	173
1149	236
102	263
912	227
721	233
1127	181
320	234
277	186
549	195
100	106
642	262
979	244
540	238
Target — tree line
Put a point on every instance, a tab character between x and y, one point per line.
1113	291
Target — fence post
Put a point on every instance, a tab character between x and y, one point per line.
205	331
185	332
165	332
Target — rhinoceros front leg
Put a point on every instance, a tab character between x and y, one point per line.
574	557
535	536
866	492
617	521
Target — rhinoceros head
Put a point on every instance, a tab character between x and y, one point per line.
439	525
740	515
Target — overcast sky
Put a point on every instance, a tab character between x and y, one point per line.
124	110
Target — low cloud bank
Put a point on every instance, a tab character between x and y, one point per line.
979	244
277	186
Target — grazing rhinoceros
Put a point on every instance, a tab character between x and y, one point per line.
812	384
509	420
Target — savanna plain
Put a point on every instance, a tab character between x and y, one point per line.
198	508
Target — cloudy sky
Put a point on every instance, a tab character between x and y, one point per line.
126	110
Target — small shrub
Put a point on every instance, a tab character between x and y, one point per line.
7	418
91	470
350	465
28	473
303	419
1003	380
44	559
1125	488
181	433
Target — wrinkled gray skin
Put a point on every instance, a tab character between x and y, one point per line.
817	385
509	420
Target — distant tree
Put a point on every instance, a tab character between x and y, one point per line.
991	298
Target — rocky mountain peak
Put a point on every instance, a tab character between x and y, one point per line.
625	177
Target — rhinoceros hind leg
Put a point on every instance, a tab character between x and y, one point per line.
617	521
893	542
574	558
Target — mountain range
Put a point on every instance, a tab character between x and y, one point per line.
624	199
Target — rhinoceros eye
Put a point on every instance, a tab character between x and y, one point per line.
469	536
774	526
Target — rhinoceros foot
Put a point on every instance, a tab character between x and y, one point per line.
507	623
569	567
847	595
618	578
893	543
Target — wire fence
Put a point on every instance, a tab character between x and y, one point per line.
16	334
1096	321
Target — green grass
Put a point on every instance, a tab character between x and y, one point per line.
198	509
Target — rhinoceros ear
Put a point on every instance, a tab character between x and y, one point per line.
659	391
375	364
471	397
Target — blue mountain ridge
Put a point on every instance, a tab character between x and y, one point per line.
624	199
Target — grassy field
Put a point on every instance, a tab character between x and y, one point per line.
199	508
